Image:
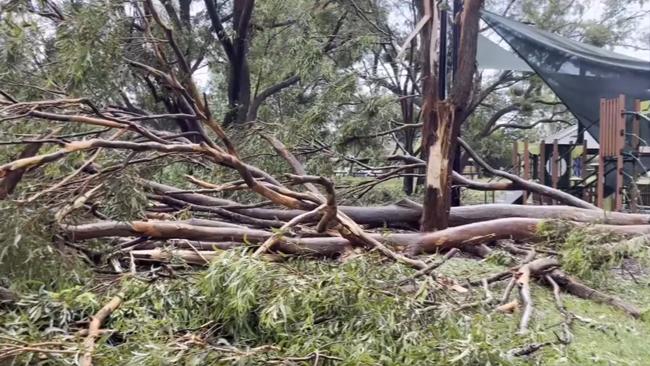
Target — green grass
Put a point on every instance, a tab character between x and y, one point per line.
614	338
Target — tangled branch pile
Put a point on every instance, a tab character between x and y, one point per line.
195	225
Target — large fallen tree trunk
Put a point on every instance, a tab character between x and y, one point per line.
513	228
326	245
469	214
457	237
477	233
409	214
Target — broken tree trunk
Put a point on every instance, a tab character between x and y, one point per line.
442	118
9	181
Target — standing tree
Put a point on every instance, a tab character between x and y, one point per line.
442	119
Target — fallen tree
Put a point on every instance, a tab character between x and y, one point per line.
201	223
267	215
226	223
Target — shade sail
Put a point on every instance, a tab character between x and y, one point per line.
490	55
579	74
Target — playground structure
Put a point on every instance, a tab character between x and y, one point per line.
611	173
603	159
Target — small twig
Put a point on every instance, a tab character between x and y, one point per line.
528	349
568	316
431	267
270	242
508	291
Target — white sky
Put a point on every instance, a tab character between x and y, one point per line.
594	12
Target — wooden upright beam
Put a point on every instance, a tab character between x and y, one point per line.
636	127
555	161
620	147
515	158
619	183
526	169
583	172
636	144
600	183
541	166
555	169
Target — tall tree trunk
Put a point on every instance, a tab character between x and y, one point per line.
239	80
236	49
185	6
442	118
434	215
407	107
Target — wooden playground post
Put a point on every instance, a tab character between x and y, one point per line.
620	146
515	158
541	166
600	182
636	127
583	160
619	182
555	160
583	172
636	143
555	171
526	169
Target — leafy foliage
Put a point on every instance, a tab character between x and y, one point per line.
246	311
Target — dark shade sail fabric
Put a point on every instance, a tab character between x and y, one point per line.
579	74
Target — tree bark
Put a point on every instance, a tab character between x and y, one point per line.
434	215
512	228
10	180
442	119
585	292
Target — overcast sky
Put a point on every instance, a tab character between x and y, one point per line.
594	12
